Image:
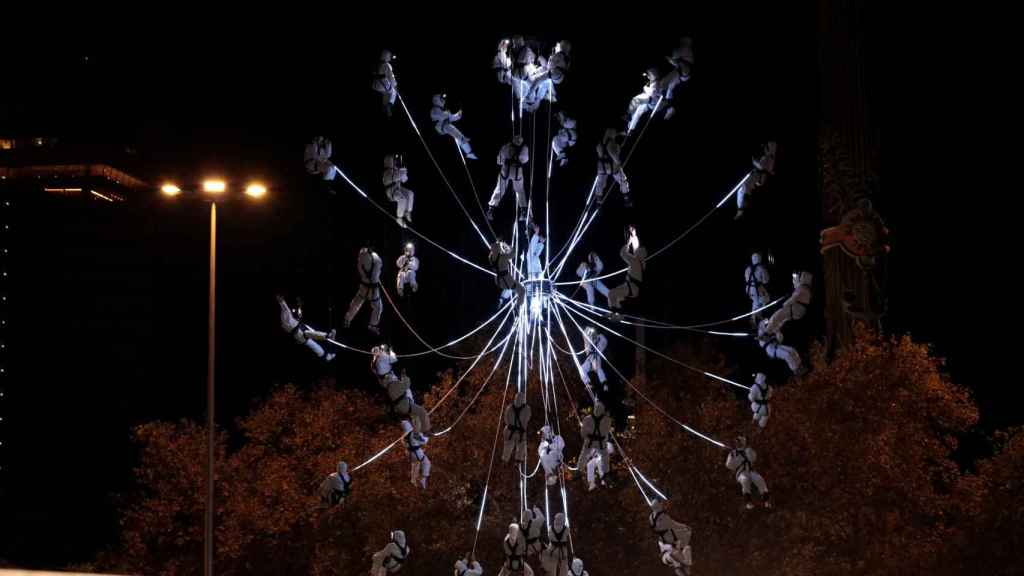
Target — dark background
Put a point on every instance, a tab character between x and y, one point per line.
108	317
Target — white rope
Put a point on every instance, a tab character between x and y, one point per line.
461	338
410	228
682	425
667	246
651	350
494	448
658	325
480	391
430	348
476	195
666	326
442	400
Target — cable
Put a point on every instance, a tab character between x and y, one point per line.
645	323
461	338
439	402
482	387
669	358
494	448
410	228
667	246
435	350
582	219
689	429
667	326
476	195
425	352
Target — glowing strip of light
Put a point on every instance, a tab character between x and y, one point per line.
461	338
669	358
476	195
441	401
411	229
666	247
648	482
689	429
667	326
480	517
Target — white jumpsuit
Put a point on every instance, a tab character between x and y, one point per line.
369	266
635	260
592	270
512	158
407	267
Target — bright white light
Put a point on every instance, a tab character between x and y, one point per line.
214	186
256	190
536	306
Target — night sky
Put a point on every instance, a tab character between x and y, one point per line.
108	321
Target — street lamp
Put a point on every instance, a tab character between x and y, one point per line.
214	186
213	189
255	190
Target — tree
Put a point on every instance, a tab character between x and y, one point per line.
856	455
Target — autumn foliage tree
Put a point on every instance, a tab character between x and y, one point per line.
857	455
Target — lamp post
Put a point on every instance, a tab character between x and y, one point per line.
212	189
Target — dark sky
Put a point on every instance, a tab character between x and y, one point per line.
113	302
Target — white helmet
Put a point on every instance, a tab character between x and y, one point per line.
760	378
513	531
410	249
755	258
577	567
802	279
398	537
559	521
342	468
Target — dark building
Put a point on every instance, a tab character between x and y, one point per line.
67	168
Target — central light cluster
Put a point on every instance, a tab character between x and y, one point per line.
540	294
